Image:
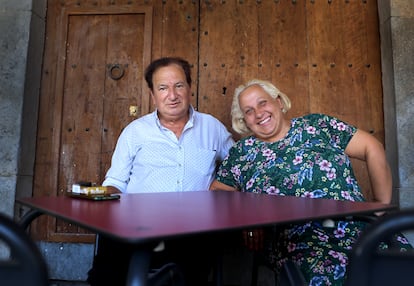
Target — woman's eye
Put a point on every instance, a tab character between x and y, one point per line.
248	112
263	103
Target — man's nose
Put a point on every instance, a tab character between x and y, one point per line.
172	94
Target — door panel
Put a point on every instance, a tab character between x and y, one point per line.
228	55
101	62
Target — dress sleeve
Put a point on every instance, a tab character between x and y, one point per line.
338	132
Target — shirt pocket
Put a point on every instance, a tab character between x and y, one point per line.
202	160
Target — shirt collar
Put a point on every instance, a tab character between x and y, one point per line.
189	123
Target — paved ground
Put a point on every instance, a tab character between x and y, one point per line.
67	283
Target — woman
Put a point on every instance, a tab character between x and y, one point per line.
307	156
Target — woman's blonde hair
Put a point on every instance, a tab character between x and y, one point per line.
237	117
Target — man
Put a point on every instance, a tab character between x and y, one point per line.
174	148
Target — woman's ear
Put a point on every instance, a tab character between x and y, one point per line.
279	100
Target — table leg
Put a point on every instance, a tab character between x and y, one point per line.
139	267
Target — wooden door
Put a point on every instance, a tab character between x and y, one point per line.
102	54
325	55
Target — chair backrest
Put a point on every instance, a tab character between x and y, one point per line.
368	265
26	265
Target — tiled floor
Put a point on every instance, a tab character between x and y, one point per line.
237	267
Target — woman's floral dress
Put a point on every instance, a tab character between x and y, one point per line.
309	162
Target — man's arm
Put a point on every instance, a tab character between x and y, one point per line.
112	190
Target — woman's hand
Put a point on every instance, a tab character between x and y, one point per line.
253	238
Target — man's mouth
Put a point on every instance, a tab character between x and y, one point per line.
174	104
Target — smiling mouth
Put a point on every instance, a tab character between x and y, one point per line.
264	121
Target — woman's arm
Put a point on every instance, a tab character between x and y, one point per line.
217	186
366	147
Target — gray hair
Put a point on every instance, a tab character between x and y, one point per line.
237	116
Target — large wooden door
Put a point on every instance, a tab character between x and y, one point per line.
101	57
325	55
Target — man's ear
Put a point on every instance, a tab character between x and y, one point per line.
152	96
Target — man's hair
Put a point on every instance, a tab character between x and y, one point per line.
164	62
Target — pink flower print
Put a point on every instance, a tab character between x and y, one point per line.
249	142
272	190
268	154
323	237
291	247
249	184
333	123
339	256
307	194
331	174
341	126
311	130
339	232
297	160
346	195
401	239
342	259
235	170
325	165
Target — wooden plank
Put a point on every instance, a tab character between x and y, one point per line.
126	47
228	54
283	50
179	35
82	107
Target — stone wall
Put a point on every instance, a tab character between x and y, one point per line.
397	47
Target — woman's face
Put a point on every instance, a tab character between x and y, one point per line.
263	114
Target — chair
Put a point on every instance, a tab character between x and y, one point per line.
26	265
370	266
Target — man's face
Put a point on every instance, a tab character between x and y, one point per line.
171	93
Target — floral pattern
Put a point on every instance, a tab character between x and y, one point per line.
309	162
